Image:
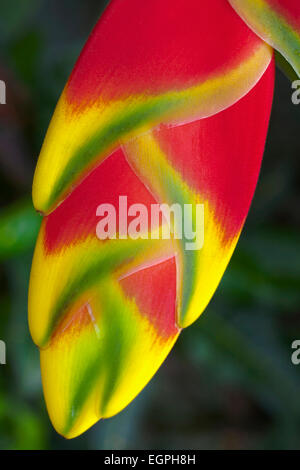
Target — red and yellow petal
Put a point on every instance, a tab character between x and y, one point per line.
275	21
108	347
216	162
69	258
102	312
146	63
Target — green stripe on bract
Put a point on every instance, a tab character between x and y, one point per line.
176	191
266	19
112	133
104	261
115	319
173	187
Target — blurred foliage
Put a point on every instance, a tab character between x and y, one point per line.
229	383
19	226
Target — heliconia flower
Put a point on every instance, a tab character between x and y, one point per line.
277	22
167	104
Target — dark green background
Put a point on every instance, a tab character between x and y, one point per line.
229	383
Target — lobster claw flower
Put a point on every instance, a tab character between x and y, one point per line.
167	104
